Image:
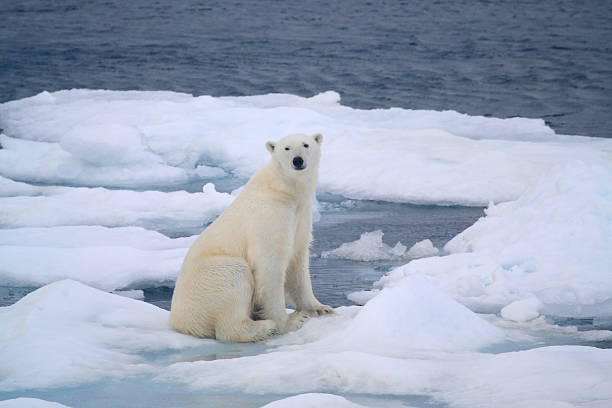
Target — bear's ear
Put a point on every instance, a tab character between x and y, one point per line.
318	138
270	146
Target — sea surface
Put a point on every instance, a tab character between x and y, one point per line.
537	59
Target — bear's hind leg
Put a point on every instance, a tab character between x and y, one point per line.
218	304
234	323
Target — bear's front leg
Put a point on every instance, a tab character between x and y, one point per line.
270	296
299	287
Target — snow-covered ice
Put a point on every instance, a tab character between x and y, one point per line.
105	258
112	208
522	310
552	245
148	139
413	315
66	334
89	178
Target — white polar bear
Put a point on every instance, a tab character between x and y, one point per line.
256	254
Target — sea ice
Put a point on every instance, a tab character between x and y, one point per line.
149	139
112	208
522	310
422	249
49	163
9	188
542	249
400	344
66	334
106	258
543	376
370	247
552	243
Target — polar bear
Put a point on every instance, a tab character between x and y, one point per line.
240	271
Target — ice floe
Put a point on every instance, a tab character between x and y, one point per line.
106	258
148	139
111	208
552	244
370	247
67	333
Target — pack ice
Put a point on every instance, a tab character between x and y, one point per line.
103	190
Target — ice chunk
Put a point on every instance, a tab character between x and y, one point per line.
369	247
522	310
66	334
422	249
106	258
313	400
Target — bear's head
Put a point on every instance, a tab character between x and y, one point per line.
297	153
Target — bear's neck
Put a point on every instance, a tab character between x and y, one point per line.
298	189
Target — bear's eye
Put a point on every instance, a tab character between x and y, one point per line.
306	145
287	148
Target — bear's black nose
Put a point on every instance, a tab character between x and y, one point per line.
298	163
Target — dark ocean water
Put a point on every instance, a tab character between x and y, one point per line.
544	59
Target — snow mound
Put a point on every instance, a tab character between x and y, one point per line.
66	334
413	315
313	400
370	247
